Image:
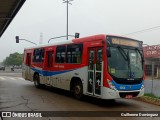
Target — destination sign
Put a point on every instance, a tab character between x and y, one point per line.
121	41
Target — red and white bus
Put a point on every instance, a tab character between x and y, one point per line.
103	66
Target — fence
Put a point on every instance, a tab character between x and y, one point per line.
152	82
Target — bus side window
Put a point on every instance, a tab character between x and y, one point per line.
74	53
38	55
60	54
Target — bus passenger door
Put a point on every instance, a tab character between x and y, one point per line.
50	58
95	71
28	66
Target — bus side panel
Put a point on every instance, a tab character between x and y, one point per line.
63	78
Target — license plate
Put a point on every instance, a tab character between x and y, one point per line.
129	96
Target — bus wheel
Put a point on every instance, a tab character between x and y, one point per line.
78	90
36	81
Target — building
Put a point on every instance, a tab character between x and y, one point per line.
152	60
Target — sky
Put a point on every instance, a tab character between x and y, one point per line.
47	18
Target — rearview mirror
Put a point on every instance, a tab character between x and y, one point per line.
108	52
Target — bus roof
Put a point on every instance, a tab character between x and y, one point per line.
78	40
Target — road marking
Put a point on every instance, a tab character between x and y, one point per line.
21	78
11	78
2	78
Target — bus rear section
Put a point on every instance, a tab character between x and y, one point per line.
26	65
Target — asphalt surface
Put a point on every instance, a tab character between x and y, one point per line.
17	94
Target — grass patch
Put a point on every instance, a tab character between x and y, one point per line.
151	95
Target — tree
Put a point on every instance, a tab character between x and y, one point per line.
13	59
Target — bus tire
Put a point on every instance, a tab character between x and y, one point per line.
78	90
37	81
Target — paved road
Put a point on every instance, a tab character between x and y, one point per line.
16	94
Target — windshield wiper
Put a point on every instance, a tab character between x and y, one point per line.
125	56
140	54
123	53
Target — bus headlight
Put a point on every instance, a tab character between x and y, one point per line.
142	86
111	85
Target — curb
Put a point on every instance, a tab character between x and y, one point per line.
148	99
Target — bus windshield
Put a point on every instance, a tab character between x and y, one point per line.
125	62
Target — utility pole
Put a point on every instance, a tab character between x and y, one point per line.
41	38
68	2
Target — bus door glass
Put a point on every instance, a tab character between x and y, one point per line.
95	69
28	63
50	58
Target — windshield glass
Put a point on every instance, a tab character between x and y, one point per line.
125	63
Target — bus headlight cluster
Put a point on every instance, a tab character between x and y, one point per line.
142	86
111	85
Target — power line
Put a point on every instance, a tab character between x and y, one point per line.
144	30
